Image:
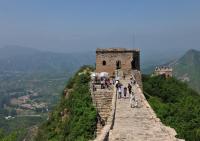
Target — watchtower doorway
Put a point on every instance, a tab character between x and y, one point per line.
118	64
133	64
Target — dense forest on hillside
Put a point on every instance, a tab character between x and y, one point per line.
74	119
175	104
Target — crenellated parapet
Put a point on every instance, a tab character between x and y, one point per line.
163	70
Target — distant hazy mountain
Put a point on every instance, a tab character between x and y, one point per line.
155	58
187	68
25	59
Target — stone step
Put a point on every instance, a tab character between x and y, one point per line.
102	107
103	96
103	100
104	115
105	110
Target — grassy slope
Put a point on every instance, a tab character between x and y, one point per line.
79	123
175	104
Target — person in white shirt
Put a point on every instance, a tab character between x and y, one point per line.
119	92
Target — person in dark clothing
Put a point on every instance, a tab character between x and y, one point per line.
117	84
125	92
129	89
119	92
102	83
94	88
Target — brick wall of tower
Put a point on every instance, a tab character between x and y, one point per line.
111	57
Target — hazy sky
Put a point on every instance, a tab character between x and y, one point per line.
77	25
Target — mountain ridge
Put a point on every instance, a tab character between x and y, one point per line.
23	59
187	68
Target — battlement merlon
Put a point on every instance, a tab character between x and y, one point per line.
168	69
163	69
116	50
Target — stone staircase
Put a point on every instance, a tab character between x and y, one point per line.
102	99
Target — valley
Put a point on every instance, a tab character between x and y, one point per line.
27	98
31	82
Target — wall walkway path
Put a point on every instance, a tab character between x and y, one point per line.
138	124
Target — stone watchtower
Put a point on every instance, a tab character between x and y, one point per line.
165	71
112	59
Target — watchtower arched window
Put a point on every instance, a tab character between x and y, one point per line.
104	62
118	64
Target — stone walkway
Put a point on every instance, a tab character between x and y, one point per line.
138	124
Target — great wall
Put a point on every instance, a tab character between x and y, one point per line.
117	121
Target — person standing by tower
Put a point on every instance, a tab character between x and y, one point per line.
129	89
125	92
119	92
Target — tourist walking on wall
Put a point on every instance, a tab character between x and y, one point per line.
113	81
117	85
132	100
102	83
107	83
129	89
93	87
125	92
137	103
122	89
131	80
119	92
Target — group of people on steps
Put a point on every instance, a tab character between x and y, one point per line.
127	92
